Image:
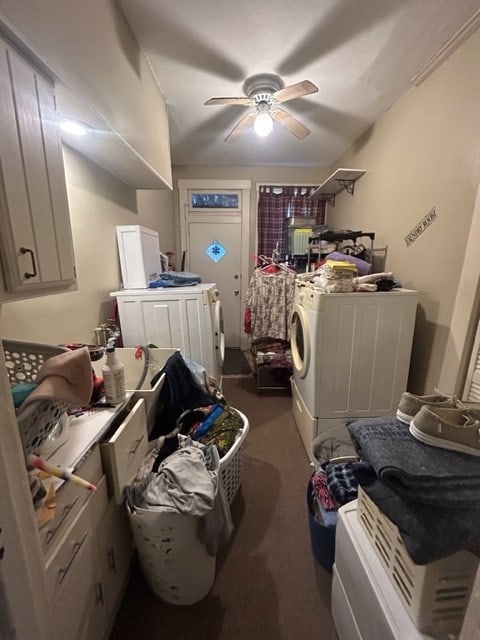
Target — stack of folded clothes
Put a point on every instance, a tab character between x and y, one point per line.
335	276
175	279
422	477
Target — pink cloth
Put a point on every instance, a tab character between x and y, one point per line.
64	378
320	488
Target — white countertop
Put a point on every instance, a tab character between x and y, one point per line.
84	430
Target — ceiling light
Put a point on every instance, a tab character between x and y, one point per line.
73	127
263	125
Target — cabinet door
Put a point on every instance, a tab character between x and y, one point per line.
79	611
35	241
115	544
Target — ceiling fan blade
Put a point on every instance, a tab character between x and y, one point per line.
240	127
291	123
242	101
298	90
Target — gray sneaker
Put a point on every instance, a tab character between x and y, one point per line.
454	429
410	404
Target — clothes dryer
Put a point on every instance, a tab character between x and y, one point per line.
351	355
186	318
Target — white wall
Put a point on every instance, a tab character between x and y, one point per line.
424	152
98	202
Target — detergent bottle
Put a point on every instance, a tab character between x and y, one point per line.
113	376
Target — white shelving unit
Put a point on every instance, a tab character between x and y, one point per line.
339	180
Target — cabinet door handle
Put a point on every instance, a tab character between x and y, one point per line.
66	510
62	573
135	445
27	274
99	593
112	565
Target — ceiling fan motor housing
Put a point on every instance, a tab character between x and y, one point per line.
260	90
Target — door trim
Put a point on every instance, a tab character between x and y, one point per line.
245	186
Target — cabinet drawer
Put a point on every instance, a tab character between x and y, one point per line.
70	499
78	611
124	451
62	563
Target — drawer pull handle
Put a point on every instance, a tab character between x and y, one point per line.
112	565
27	274
62	573
66	510
99	593
135	445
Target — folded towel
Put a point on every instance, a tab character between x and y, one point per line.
416	471
66	377
429	532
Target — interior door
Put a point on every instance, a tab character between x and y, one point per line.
214	251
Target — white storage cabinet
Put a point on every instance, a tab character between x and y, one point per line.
139	253
35	234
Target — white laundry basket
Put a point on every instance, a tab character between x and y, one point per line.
175	563
173	559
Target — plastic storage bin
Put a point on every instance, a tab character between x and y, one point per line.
36	422
435	595
139	253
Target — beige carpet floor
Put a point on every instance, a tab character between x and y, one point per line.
268	584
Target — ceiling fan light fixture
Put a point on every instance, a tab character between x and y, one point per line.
263	125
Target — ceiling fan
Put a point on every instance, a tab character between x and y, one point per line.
264	92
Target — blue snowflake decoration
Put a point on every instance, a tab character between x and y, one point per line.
216	251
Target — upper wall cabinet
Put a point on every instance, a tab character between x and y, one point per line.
35	233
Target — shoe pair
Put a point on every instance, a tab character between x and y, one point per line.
441	421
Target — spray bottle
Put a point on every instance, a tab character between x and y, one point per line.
113	376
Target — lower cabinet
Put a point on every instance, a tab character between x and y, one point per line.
86	573
115	543
79	611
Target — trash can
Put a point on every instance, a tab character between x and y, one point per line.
325	450
322	537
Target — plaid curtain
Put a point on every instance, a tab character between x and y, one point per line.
275	206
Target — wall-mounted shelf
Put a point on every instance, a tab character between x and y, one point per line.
339	180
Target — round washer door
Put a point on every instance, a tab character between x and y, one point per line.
300	340
218	333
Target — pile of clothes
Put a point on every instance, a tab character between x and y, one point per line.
193	407
170	279
186	482
333	485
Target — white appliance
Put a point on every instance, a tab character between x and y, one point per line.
185	318
351	356
365	605
139	253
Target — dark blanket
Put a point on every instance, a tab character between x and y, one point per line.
179	393
432	495
429	532
417	471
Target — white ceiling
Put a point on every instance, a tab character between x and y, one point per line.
362	55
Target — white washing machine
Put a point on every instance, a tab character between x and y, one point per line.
185	318
351	355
